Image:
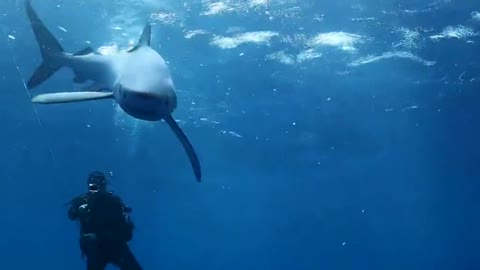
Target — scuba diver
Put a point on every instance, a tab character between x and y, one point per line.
105	226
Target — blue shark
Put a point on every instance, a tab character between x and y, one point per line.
138	80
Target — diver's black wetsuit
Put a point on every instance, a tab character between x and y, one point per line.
105	229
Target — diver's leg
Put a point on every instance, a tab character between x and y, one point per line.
92	254
95	264
126	260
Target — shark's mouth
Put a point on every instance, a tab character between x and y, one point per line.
145	106
148	96
144	112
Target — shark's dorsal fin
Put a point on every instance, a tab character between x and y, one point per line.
84	51
144	38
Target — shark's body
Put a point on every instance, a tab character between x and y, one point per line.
138	80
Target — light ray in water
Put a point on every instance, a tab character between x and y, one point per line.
129	125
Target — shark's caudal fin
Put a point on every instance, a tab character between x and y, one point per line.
186	145
64	97
49	48
144	39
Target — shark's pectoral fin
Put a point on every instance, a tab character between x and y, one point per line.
64	97
186	145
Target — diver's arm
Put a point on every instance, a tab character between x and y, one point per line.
72	213
74	210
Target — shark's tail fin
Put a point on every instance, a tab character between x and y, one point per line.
50	49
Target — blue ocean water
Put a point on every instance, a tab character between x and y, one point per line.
331	134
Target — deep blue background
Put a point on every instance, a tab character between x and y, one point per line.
361	181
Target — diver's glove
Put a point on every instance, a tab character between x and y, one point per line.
90	236
83	208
